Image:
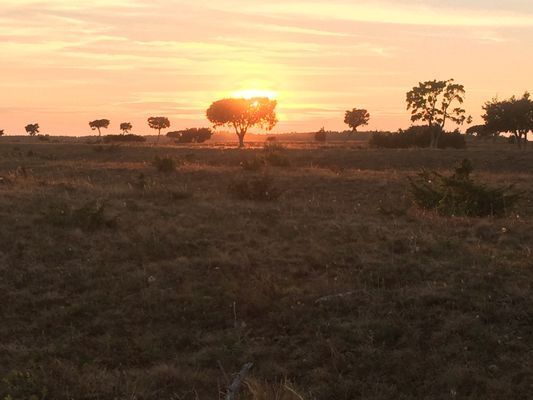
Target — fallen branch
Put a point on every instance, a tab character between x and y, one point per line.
237	382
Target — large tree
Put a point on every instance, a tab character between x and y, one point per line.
158	123
98	124
243	114
513	116
432	102
32	129
125	127
356	118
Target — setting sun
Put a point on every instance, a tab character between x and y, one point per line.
253	93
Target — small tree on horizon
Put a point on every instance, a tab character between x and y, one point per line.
158	123
99	124
356	117
125	127
32	129
430	102
1	132
243	114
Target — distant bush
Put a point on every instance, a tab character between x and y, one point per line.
257	188
460	195
124	138
43	138
416	136
164	164
271	145
192	135
321	135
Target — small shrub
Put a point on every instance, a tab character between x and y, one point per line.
258	188
460	195
416	136
321	135
255	164
43	138
274	154
89	217
164	164
124	138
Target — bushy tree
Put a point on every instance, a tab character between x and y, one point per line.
513	116
125	127
356	118
242	114
432	102
158	123
98	124
481	131
32	129
192	135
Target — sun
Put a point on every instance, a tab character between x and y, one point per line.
253	93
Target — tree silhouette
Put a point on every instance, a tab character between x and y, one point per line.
242	114
99	124
158	123
356	117
32	129
125	127
430	102
1	132
512	116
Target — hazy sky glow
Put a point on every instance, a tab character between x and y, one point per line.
65	62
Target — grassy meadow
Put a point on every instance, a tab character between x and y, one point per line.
119	281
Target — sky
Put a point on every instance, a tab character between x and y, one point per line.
66	62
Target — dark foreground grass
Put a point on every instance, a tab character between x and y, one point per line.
122	282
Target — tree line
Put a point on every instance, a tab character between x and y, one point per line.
433	103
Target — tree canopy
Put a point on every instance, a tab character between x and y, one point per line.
158	123
242	114
356	117
32	129
513	116
125	127
99	124
432	101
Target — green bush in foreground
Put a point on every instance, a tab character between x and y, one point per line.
164	164
258	188
460	195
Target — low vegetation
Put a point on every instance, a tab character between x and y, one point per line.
131	138
459	195
121	282
417	136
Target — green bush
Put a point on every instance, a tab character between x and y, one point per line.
416	136
257	188
459	195
164	164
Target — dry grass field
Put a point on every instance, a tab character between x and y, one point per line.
119	281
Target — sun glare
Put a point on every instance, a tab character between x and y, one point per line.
253	93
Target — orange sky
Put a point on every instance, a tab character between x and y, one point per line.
65	62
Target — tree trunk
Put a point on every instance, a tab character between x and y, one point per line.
518	138
241	140
99	133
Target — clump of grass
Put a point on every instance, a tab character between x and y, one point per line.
254	164
113	148
459	195
257	188
89	217
21	385
274	154
164	164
